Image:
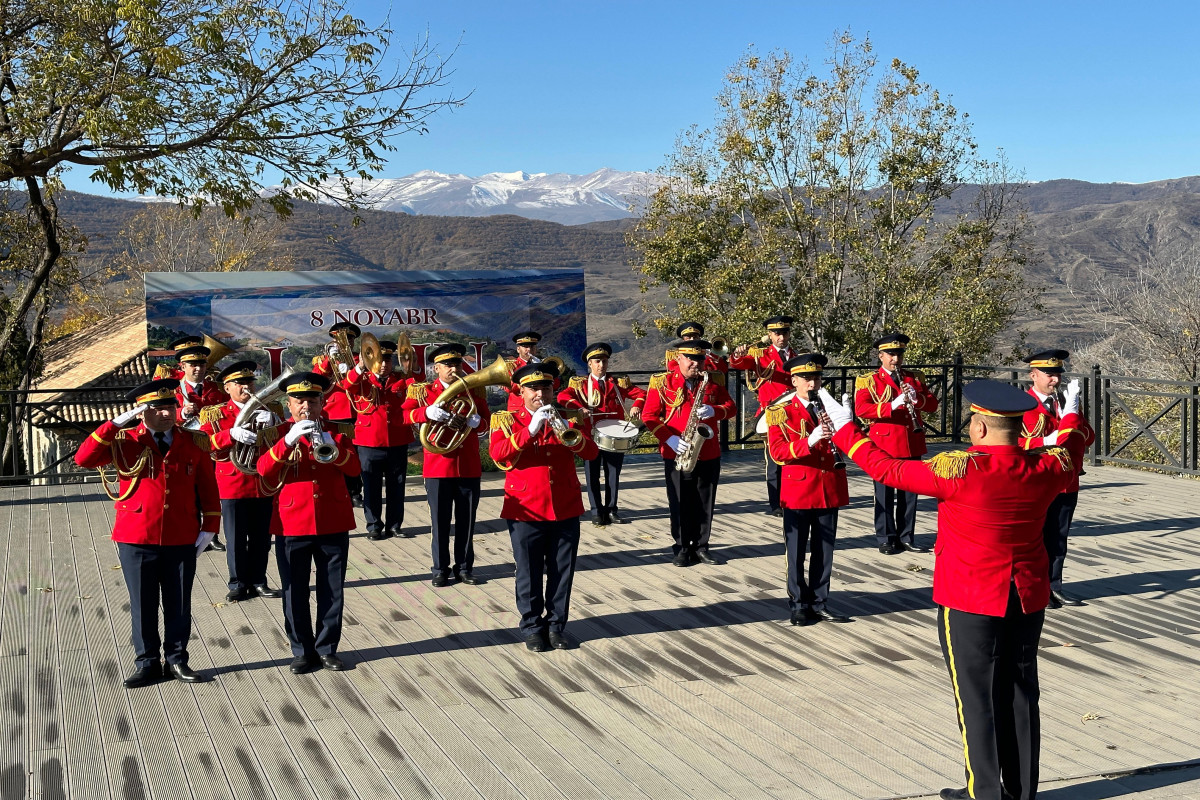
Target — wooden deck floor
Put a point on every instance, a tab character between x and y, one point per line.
689	683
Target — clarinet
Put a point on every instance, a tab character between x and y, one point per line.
827	427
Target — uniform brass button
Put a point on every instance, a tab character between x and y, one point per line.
166	491
165	506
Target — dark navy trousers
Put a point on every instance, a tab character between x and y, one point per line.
1054	534
247	522
691	500
546	548
812	531
297	556
384	473
456	498
152	572
608	464
895	514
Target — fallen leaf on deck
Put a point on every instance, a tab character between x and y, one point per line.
1089	717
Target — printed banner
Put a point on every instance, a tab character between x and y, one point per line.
282	318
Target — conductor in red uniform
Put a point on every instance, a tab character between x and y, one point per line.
766	375
382	437
692	497
1041	426
451	479
309	463
814	488
882	398
541	503
166	505
603	398
990	577
247	504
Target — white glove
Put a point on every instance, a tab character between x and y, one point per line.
538	420
358	370
244	436
437	414
264	417
342	368
1071	397
678	445
327	438
473	421
848	405
1051	439
898	403
817	435
127	417
301	428
204	540
707	411
838	414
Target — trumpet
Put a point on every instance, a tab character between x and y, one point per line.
323	452
720	347
566	435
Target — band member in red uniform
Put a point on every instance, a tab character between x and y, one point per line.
247	505
337	403
603	397
174	371
990	577
194	392
766	375
527	353
541	503
693	496
451	479
308	462
884	399
382	438
814	488
1041	426
691	332
166	506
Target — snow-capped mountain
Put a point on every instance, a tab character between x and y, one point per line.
558	197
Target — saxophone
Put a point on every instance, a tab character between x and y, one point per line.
694	432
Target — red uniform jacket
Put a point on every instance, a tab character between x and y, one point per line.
313	498
514	392
233	484
768	362
892	429
337	403
379	410
1039	423
809	477
993	505
584	393
209	395
463	462
541	483
668	405
166	501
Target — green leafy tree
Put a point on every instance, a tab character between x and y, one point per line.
206	101
829	198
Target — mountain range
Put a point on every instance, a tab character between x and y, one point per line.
1084	232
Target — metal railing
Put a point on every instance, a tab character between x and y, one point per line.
1139	422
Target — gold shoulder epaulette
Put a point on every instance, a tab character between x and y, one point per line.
623	382
717	377
503	421
268	436
210	414
201	440
952	464
776	415
162	371
1060	453
658	380
575	383
756	352
417	391
671	355
863	381
316	360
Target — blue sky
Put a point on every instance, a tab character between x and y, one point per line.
1096	91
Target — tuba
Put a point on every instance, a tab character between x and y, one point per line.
216	351
245	456
340	355
443	437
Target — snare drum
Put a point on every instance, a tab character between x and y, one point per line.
615	435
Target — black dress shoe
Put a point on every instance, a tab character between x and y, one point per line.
778	512
823	615
1054	602
334	663
914	547
144	676
799	618
615	517
441	579
468	578
1064	599
683	558
185	673
215	544
955	794
303	664
536	643
560	641
238	595
707	558
356	500
393	530
601	519
375	533
262	590
890	549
